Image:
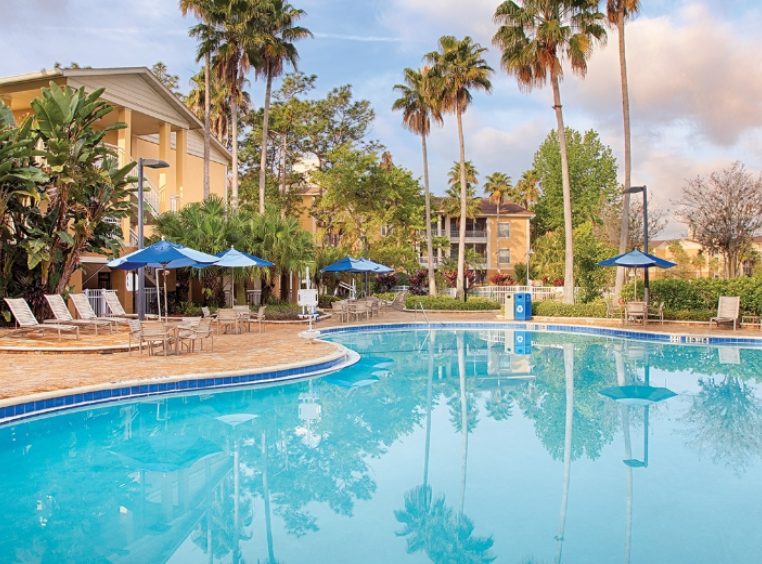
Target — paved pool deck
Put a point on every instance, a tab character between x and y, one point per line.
277	346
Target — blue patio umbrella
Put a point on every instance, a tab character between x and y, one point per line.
358	266
233	258
163	254
638	259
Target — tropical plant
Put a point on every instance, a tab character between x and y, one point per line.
274	48
535	37
618	11
459	67
204	32
418	110
452	202
497	186
527	189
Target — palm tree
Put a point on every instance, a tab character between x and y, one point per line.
219	114
232	40
417	111
452	201
497	186
274	49
527	189
459	67
618	11
534	38
202	9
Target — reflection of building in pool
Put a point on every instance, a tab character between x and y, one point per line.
508	354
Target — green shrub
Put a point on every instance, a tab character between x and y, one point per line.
552	308
388	296
447	303
688	314
326	300
702	294
282	311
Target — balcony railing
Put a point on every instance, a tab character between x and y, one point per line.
470	234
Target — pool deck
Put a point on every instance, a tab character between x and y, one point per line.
277	346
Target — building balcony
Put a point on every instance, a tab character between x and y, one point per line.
470	234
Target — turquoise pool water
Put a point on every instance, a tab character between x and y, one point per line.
568	457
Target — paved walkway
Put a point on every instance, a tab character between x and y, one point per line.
277	345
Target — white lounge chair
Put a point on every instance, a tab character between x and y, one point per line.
727	311
62	315
117	310
27	322
85	311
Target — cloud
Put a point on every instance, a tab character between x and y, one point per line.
361	38
689	66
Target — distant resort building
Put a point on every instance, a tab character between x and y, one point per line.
159	126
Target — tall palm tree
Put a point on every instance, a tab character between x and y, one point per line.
534	38
617	12
458	67
232	42
275	49
527	189
203	9
418	109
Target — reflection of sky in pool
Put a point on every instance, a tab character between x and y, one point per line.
351	468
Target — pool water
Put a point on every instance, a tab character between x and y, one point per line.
441	445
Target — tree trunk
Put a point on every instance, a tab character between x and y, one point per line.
568	228
282	171
234	134
429	399
569	379
70	265
459	285
263	150
624	228
207	114
497	238
429	240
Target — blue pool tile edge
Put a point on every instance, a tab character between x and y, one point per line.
672	338
15	412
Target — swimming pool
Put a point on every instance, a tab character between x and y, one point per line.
568	455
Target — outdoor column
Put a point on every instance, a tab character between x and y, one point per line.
124	156
181	153
167	176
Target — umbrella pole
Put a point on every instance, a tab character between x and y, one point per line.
158	292
166	307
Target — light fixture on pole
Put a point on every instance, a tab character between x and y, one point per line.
143	163
530	252
635	190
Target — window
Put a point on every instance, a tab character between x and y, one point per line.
504	229
504	256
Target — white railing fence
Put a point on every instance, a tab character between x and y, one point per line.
498	293
98	301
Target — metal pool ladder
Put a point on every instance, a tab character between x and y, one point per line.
419	306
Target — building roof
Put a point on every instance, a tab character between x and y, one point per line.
488	207
142	72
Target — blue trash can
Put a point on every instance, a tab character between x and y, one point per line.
522	306
522	342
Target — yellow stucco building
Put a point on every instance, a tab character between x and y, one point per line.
159	126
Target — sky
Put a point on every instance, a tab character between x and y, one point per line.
694	70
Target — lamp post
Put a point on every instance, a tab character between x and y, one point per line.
635	190
530	252
143	163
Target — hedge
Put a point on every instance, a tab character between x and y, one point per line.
702	294
447	303
552	308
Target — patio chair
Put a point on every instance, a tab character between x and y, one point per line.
356	309
260	317
85	311
397	303
228	319
117	310
244	313
62	315
28	323
657	313
727	311
135	333
339	309
614	310
157	334
206	312
203	330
